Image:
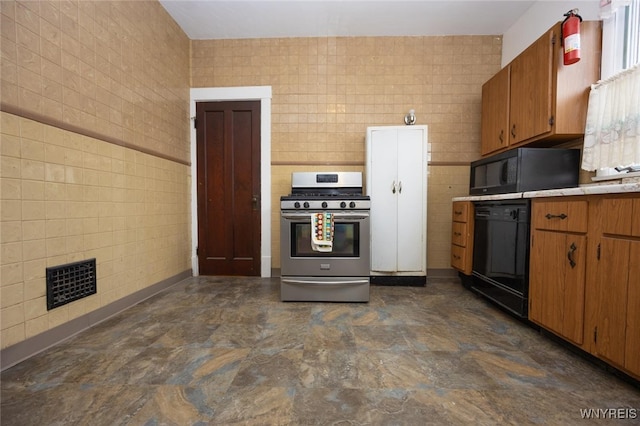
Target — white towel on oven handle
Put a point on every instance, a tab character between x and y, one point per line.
324	241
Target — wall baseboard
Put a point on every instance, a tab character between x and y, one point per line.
17	353
441	272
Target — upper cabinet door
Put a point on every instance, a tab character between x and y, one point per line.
538	96
531	90
495	112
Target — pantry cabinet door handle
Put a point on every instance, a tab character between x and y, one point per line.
553	216
400	187
393	187
572	249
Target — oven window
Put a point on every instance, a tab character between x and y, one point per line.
346	241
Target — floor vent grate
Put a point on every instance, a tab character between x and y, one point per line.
73	281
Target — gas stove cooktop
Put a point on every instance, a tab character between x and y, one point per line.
327	191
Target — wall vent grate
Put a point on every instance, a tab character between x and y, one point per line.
73	281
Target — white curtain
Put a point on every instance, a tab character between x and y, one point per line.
612	132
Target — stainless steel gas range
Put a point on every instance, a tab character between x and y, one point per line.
325	238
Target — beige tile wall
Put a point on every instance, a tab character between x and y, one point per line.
117	68
326	91
117	71
67	197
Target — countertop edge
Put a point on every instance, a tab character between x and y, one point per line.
620	188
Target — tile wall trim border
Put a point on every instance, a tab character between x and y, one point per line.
24	113
21	351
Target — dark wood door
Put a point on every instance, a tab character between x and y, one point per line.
228	167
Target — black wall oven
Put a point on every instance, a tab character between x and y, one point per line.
501	253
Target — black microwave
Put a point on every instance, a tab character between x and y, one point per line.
525	169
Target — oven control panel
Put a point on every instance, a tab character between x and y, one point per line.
313	204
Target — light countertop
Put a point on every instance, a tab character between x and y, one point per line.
589	189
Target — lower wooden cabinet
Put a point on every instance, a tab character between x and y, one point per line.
614	293
585	274
558	257
556	289
462	236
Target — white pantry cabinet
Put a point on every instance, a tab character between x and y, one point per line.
396	181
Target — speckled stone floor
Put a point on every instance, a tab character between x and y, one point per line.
219	350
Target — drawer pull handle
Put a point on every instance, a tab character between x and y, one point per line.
458	212
553	216
457	234
572	249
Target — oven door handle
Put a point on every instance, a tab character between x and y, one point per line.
335	283
336	216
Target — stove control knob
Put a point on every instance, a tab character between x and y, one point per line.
343	204
296	204
352	204
324	204
306	205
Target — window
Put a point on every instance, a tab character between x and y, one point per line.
620	35
612	138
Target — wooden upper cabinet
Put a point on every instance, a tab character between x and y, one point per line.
546	101
531	90
495	112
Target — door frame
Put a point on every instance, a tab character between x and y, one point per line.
249	93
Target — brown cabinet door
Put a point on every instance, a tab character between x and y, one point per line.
531	91
635	219
557	283
632	348
612	279
495	113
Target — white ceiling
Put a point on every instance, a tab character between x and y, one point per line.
231	19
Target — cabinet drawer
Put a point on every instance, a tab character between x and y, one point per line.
567	216
459	234
459	258
460	211
621	216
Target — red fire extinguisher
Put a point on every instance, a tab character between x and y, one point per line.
570	34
